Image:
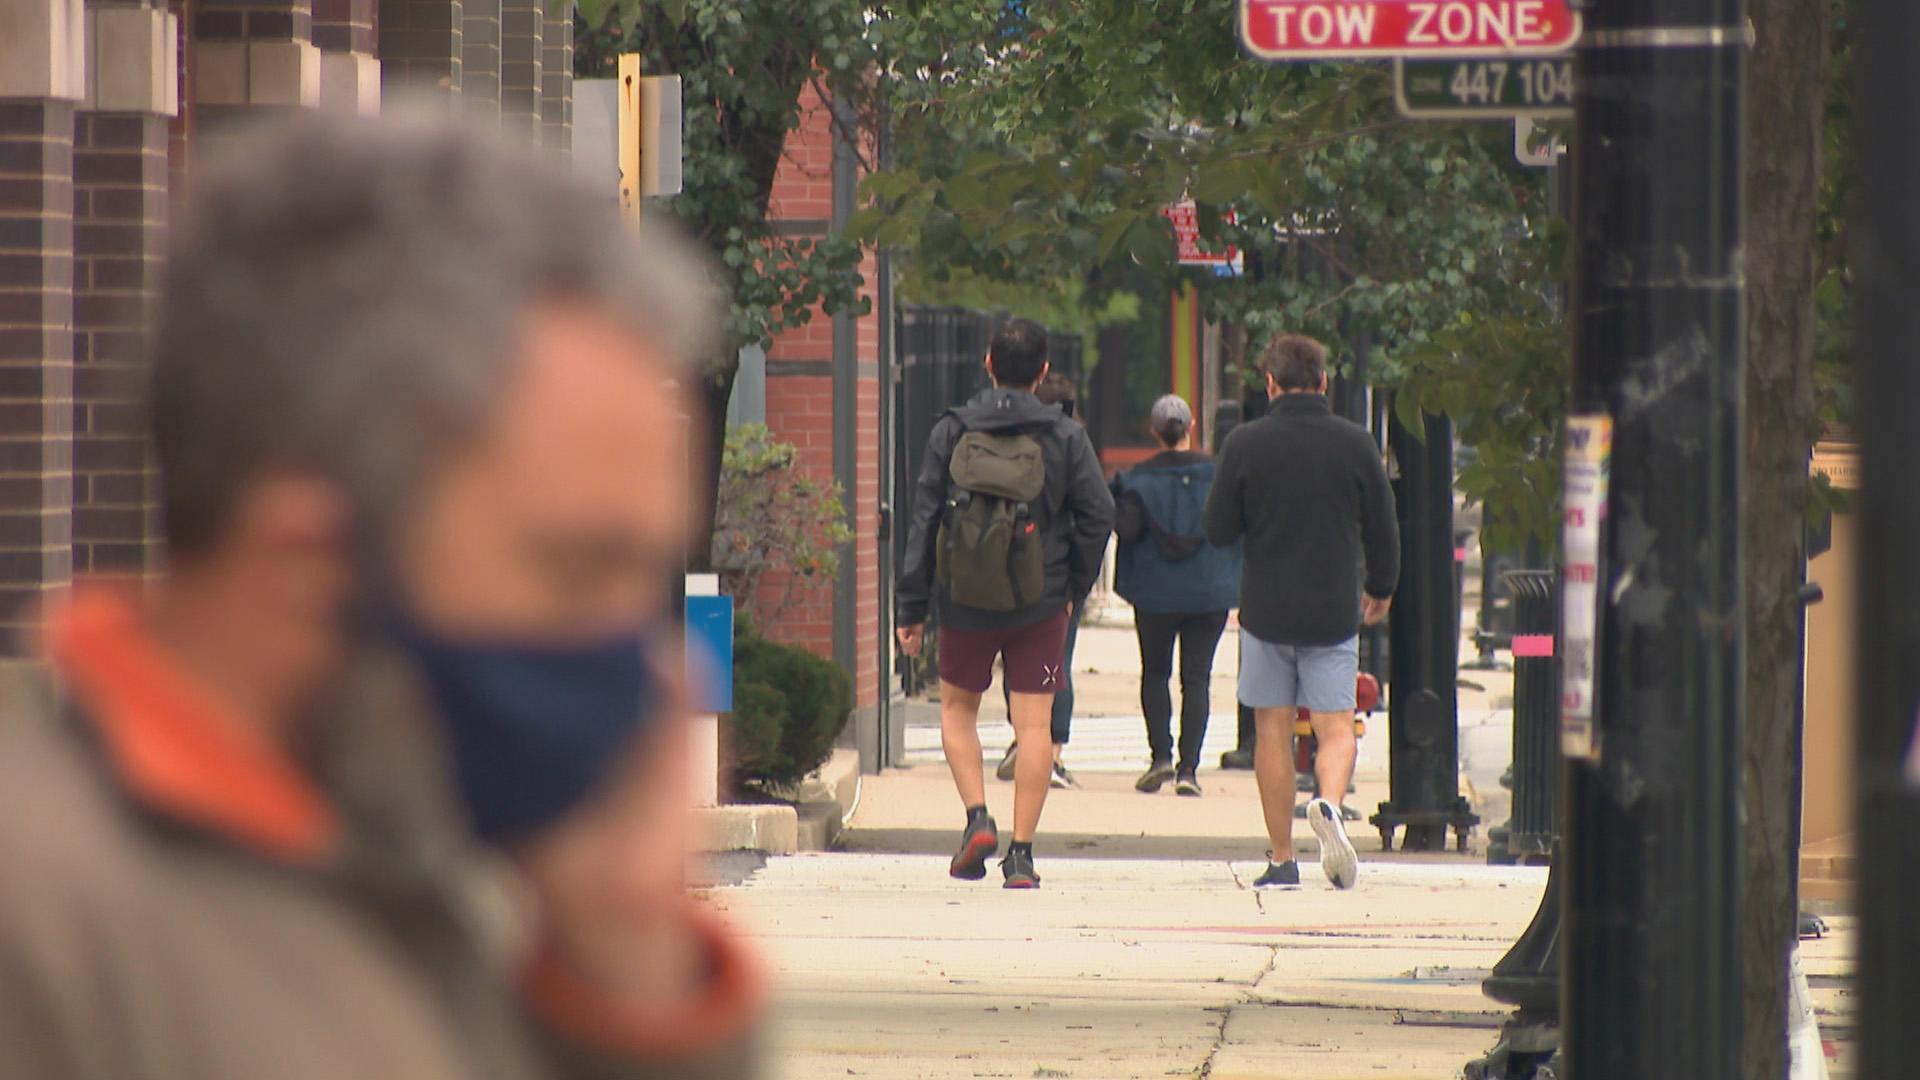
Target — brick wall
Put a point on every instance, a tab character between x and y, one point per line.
247	54
556	77
180	125
480	57
522	62
343	31
800	409
120	210
421	43
36	360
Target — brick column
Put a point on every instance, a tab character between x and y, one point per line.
119	209
556	77
421	44
180	128
480	57
249	54
41	67
522	61
349	72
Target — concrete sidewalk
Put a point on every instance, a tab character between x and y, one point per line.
1123	968
1146	954
882	966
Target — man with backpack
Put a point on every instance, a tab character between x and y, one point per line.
1010	520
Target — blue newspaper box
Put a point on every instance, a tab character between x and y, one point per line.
710	653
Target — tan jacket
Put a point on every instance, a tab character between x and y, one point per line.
179	902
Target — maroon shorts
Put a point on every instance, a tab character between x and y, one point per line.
1034	656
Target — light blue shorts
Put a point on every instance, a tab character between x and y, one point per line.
1316	677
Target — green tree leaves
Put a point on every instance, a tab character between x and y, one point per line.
1042	154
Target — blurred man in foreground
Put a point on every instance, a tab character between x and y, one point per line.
383	778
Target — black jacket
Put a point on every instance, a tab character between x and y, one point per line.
1305	492
1074	512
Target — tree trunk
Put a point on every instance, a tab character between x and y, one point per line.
716	389
1786	89
757	137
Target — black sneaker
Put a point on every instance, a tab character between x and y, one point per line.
1237	759
1018	868
1188	784
1062	778
1284	875
1157	774
977	845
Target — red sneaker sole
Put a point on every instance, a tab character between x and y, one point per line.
971	863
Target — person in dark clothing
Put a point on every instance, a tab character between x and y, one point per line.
1306	493
1056	390
1181	589
1072	517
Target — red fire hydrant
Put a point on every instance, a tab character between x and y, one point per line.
1366	698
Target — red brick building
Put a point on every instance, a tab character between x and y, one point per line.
103	106
823	394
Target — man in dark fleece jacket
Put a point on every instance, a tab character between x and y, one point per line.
1306	494
1073	515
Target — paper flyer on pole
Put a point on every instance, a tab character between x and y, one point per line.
1589	455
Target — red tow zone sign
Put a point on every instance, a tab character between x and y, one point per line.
1382	29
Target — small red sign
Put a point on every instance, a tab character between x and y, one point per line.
1185	217
1375	29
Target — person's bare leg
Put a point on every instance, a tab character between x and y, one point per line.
1332	768
1033	774
960	739
1333	760
1273	769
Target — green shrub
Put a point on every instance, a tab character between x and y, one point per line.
789	707
759	716
771	515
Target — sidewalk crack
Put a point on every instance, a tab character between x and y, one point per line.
1259	902
1248	997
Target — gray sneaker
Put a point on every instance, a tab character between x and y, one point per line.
1337	857
1004	770
1188	784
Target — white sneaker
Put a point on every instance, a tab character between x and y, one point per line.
1337	857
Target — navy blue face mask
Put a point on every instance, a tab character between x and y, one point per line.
534	729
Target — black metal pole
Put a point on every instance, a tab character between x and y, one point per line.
1653	966
1887	267
1423	727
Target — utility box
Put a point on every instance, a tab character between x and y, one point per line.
1827	788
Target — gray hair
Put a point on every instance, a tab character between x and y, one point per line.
345	296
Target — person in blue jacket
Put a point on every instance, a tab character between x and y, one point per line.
1180	586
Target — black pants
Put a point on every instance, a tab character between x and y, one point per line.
1199	636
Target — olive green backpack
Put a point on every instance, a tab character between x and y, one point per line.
990	554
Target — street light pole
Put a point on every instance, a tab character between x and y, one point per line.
1886	238
1653	658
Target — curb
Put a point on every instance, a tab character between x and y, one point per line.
771	829
814	824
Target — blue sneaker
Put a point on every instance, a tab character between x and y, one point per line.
1284	875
